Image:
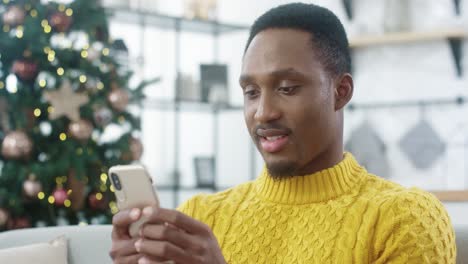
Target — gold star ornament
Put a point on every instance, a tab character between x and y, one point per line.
66	102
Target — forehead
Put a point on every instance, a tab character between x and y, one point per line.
274	49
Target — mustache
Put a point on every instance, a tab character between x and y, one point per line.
271	126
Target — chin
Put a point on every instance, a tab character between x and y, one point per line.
281	169
279	164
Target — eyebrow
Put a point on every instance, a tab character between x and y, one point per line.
277	74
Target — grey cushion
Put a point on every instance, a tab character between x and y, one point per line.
86	244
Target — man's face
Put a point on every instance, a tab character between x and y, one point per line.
288	101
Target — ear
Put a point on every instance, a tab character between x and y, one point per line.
344	88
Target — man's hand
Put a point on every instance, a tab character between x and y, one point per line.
171	235
123	246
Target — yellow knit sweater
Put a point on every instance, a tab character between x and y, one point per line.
339	215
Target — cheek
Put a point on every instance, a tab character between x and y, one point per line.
312	127
248	117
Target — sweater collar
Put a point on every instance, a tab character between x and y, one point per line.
317	187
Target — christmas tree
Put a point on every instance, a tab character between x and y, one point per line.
63	87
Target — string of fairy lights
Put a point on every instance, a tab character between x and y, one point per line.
65	89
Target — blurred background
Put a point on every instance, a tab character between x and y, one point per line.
156	82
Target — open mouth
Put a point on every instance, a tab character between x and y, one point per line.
274	138
274	144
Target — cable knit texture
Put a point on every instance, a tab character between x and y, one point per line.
339	215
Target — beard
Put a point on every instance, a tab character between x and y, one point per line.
282	170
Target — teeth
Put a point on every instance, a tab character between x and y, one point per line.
273	138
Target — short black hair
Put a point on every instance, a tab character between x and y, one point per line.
328	34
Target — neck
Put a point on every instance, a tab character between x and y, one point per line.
319	186
332	153
326	159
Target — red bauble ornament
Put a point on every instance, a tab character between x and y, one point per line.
97	201
81	130
60	21
21	222
60	195
16	145
14	16
135	150
118	99
32	186
25	69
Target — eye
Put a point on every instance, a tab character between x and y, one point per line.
288	89
250	92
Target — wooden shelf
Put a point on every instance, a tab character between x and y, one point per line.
407	37
454	37
452	196
349	7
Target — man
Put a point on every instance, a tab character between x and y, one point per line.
311	203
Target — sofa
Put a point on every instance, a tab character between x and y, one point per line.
91	244
86	244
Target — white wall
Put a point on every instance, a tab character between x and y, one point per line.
421	71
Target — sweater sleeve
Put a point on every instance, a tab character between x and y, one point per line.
413	227
188	207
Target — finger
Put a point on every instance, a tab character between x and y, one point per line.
169	234
162	249
175	218
123	248
128	259
122	220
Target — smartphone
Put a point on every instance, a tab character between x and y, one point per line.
133	188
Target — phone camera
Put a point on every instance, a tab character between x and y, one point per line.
116	181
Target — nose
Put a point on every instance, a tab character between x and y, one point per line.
267	110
